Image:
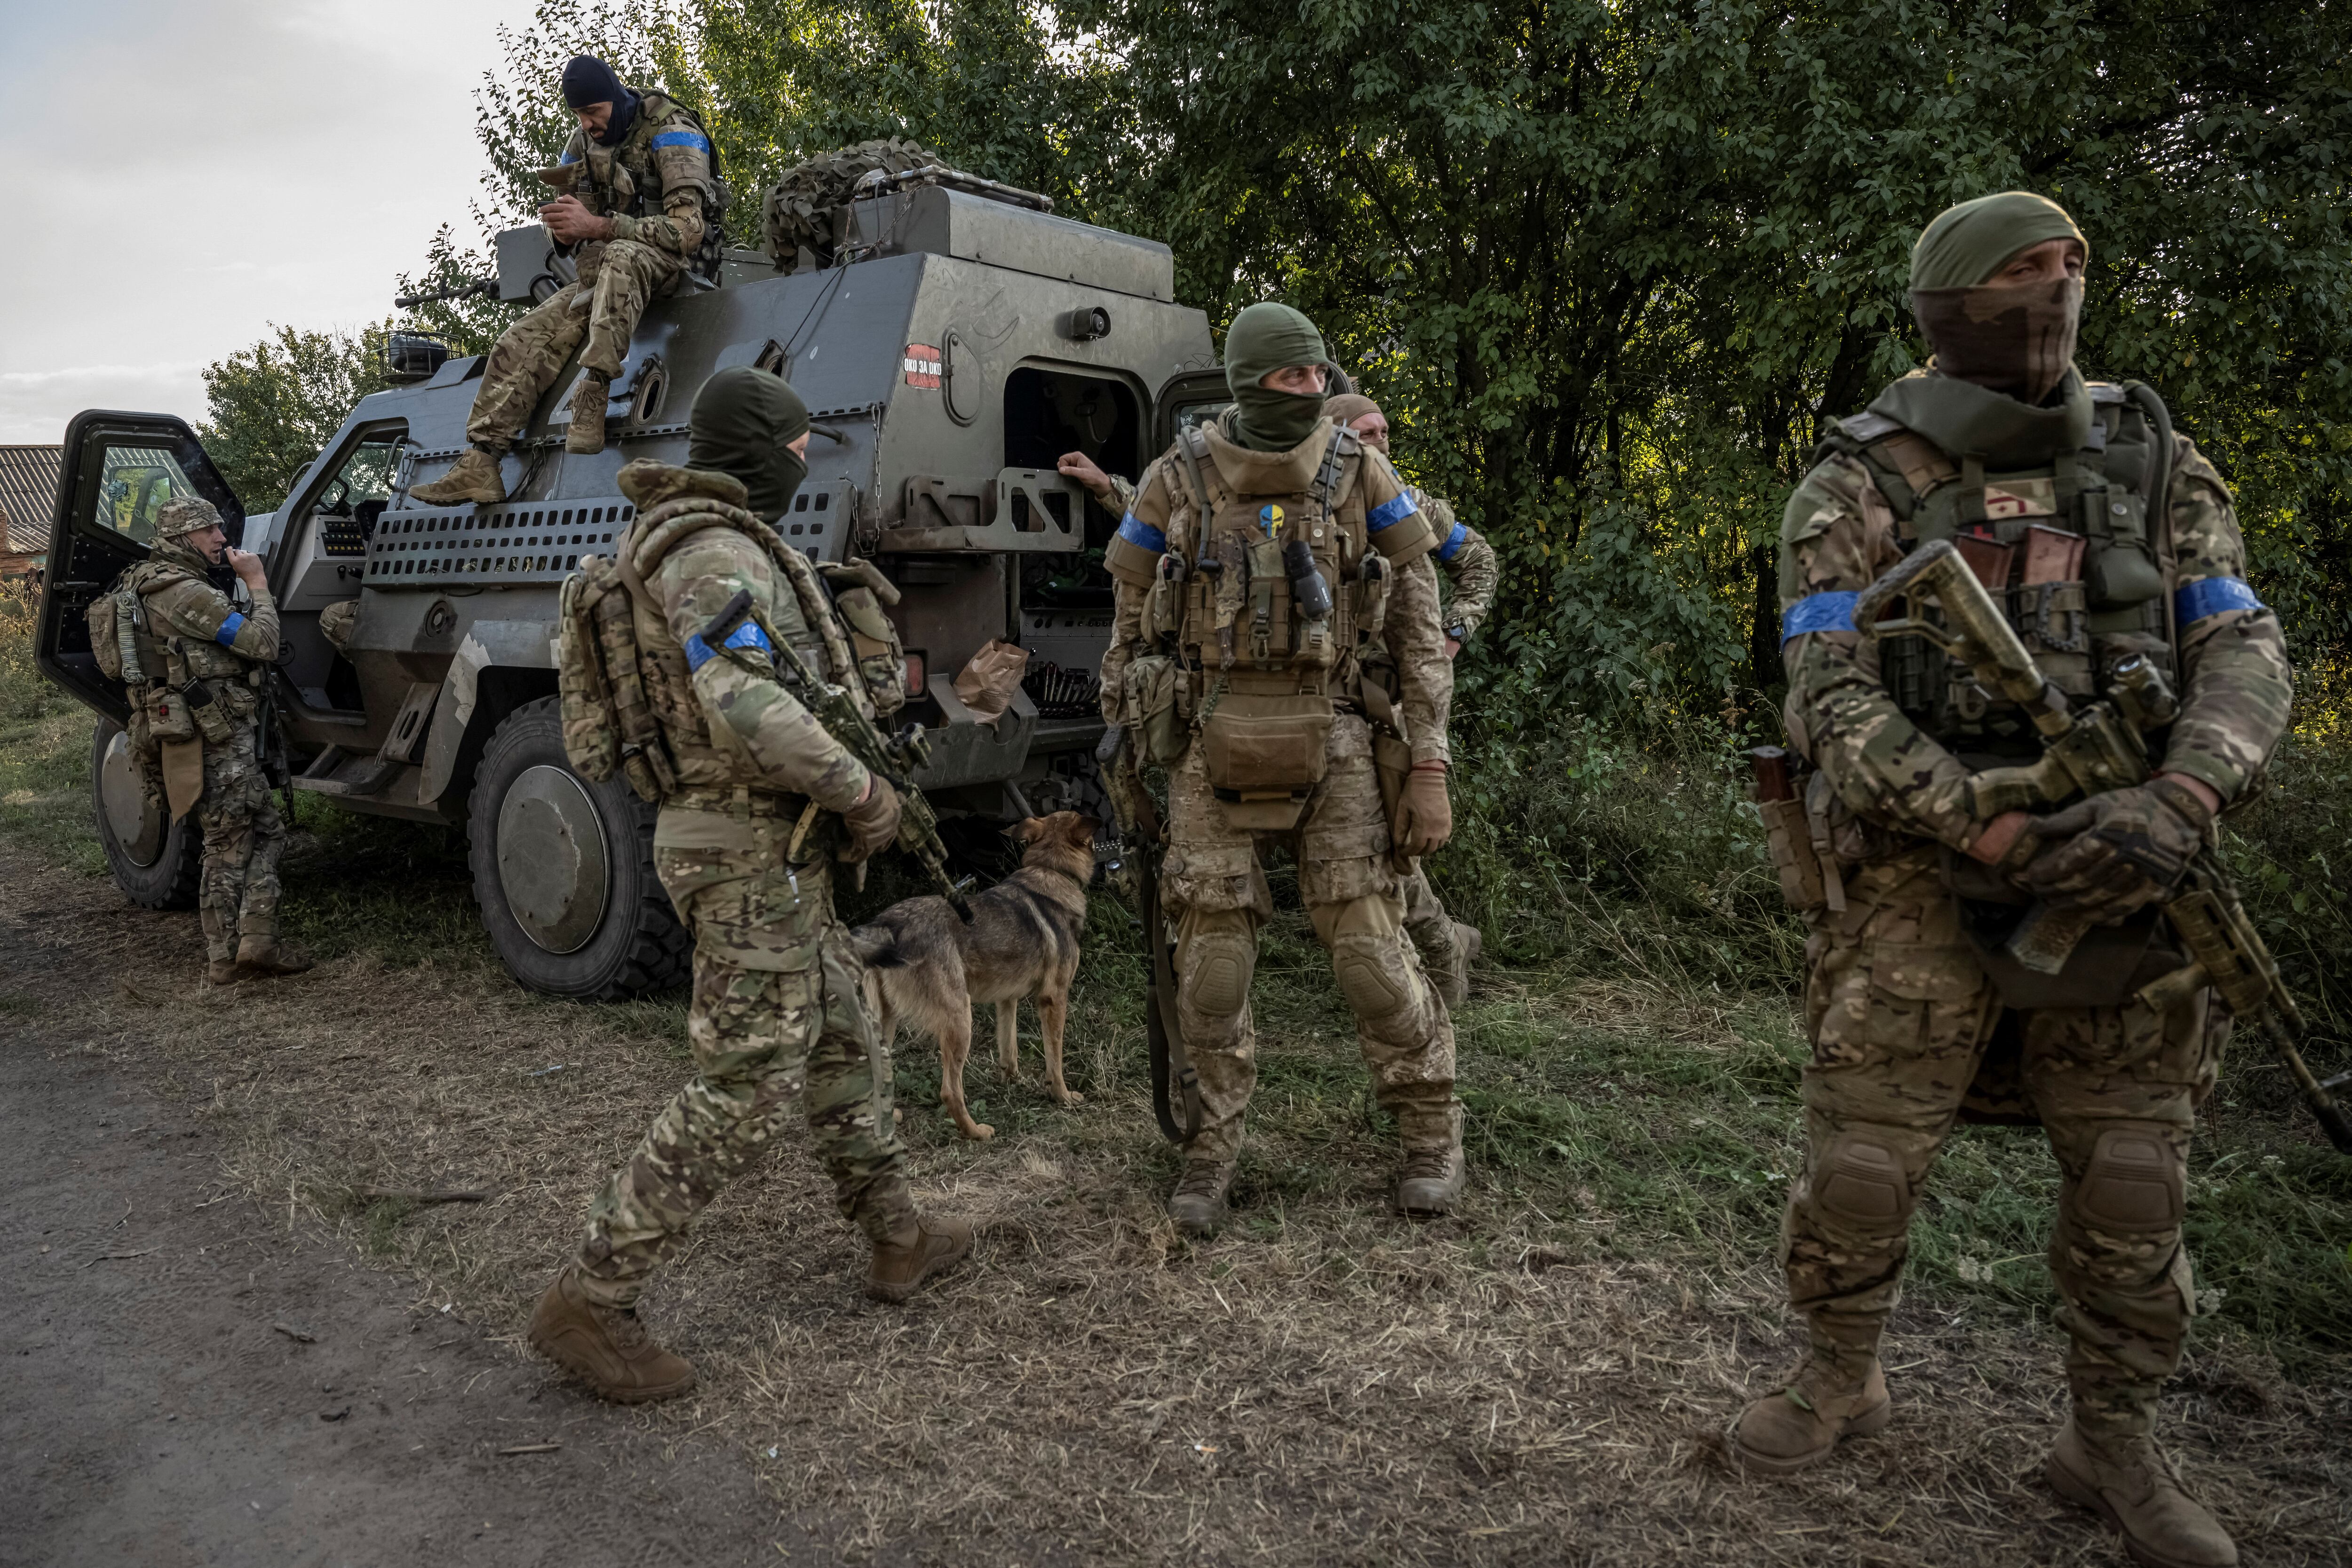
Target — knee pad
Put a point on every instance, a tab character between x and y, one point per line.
2136	1181
1860	1180
1373	976
1213	973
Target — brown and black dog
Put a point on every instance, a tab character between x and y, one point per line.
925	967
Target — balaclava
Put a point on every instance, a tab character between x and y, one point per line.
2017	340
1265	339
742	423
587	80
1346	408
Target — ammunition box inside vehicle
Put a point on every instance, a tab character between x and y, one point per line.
947	364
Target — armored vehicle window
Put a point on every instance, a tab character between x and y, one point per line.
1048	413
133	486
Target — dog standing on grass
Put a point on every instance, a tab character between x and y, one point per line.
925	967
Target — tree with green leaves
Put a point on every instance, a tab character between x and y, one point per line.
270	408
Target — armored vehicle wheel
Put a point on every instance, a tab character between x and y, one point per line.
155	862
563	870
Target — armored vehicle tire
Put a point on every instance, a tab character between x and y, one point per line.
563	870
156	863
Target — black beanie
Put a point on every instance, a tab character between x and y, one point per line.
587	80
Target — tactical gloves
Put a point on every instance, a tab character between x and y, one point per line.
1425	816
2117	853
873	822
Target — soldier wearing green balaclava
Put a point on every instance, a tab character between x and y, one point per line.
1276	645
2107	536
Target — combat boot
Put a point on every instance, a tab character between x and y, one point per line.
607	1348
1431	1183
1198	1204
2129	1483
588	400
473	478
222	972
928	1245
260	955
1782	1433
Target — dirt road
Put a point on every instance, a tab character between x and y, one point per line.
190	1381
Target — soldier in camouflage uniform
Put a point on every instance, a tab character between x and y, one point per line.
197	644
1448	947
1291	720
639	199
776	1010
1912	1011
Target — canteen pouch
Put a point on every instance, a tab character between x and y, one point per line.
1266	746
211	717
1150	708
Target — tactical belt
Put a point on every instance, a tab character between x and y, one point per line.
737	801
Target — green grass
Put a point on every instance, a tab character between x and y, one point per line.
1629	1063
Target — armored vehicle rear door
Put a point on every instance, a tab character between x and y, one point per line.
1184	399
119	469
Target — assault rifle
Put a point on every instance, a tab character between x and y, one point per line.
2088	750
894	758
1173	1077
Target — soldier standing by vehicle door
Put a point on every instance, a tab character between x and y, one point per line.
1276	648
640	200
2123	545
778	1008
205	663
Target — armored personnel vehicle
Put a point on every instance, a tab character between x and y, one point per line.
962	342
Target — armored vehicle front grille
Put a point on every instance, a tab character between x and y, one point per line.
532	542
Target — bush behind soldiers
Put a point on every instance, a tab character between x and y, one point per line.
2003	436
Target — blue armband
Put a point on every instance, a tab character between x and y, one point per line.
1453	543
748	635
1389	513
226	635
1142	535
1819	613
2211	596
682	139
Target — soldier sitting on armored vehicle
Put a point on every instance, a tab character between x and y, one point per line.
638	199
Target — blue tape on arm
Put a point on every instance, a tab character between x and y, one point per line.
682	139
226	635
1142	535
1453	544
1390	513
748	635
569	157
2211	596
1819	613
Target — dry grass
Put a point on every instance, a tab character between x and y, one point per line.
1540	1380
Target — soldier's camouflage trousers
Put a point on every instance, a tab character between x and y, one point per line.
1899	1013
1216	888
776	1013
602	307
244	837
1428	923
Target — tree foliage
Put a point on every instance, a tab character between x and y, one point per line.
272	407
1610	263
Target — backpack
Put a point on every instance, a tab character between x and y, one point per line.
608	727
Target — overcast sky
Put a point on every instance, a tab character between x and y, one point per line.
184	172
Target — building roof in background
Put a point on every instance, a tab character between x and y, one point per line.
29	496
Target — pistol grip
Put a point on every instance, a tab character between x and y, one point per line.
2047	938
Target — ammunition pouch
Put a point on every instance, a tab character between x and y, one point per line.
1149	700
211	714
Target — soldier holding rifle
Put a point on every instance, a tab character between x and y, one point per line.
2110	546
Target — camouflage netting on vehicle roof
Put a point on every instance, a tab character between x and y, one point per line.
799	205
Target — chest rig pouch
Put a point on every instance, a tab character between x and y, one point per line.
2074	549
1264	636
